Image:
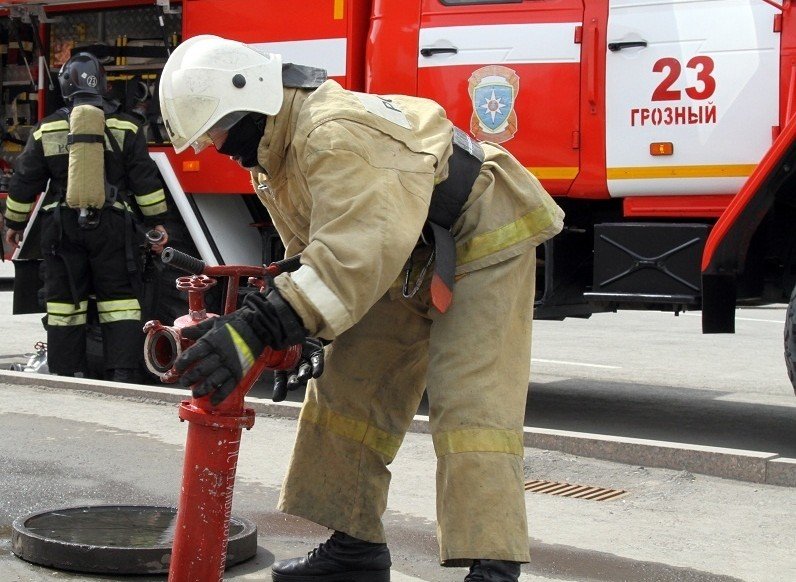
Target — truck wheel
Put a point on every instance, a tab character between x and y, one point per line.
790	339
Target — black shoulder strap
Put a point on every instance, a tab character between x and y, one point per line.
302	77
83	138
117	151
114	144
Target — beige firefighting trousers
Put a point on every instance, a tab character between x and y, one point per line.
474	361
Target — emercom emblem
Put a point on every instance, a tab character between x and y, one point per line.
493	91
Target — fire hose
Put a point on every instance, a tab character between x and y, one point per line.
213	441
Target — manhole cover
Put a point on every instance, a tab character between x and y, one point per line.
113	539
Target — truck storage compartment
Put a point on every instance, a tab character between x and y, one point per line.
648	263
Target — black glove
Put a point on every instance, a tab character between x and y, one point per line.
309	366
227	347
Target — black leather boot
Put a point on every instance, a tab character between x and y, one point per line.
340	559
493	571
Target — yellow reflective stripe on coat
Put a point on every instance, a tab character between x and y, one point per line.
245	356
50	126
118	129
12	204
15	216
119	310
118	135
356	430
479	440
64	314
152	203
113	123
17	211
536	221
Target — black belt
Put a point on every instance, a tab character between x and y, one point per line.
446	205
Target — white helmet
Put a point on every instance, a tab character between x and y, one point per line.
210	82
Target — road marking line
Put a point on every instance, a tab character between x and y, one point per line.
575	364
396	576
778	321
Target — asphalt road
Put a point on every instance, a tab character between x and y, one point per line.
653	375
661	349
68	448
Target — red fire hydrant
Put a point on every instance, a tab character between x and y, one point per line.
213	442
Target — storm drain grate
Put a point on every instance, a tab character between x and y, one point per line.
576	491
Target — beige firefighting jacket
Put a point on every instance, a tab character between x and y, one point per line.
347	179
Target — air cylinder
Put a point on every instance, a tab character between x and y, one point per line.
85	183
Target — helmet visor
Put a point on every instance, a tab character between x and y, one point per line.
219	130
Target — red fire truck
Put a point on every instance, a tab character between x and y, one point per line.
664	128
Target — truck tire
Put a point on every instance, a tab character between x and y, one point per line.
790	339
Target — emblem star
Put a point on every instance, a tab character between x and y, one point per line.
492	105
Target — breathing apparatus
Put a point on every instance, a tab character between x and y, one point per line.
83	85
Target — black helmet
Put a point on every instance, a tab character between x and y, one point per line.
83	76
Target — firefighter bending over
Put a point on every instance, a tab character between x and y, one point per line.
388	204
99	170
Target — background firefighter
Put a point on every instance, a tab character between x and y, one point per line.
351	182
88	250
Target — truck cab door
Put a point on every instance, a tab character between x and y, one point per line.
692	94
508	71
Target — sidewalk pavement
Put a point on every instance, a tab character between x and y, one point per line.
68	447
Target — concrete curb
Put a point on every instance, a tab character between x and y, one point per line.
781	471
737	464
